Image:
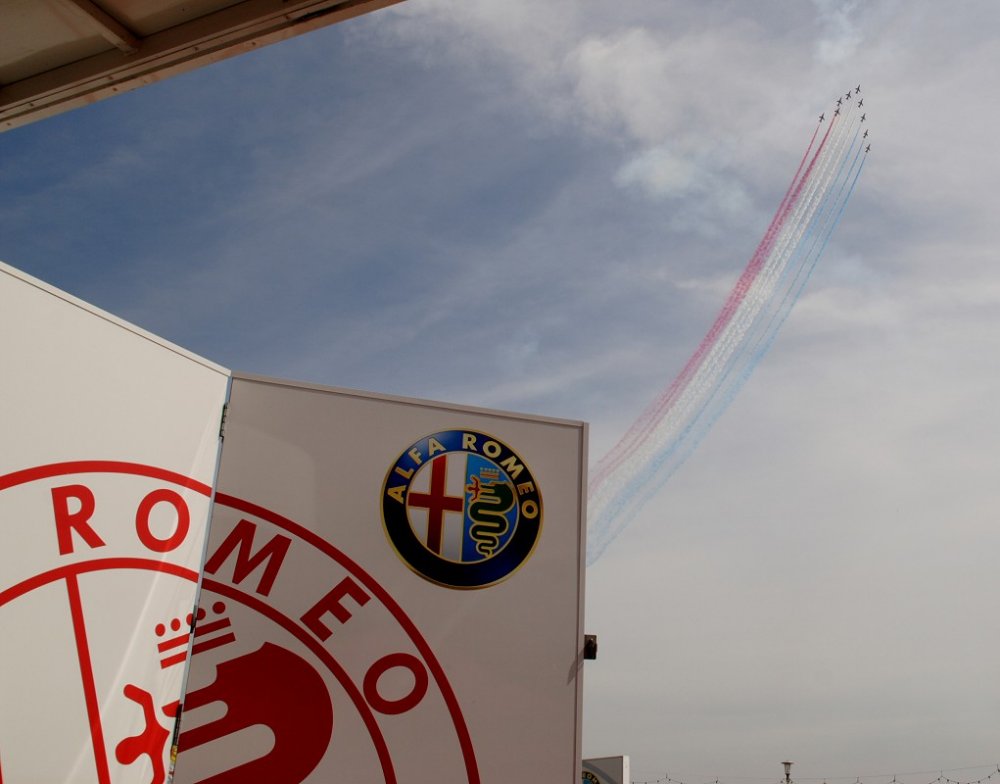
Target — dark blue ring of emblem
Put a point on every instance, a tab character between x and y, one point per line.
497	459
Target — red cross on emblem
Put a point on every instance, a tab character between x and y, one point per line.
436	502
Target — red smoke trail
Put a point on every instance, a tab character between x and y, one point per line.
639	430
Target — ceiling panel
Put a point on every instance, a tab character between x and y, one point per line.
59	54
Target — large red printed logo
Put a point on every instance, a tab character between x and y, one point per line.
300	666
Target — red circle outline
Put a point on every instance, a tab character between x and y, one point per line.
317	649
152	565
451	701
101	467
138	469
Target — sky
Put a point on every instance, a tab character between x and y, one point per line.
541	207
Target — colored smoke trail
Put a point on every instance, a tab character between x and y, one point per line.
670	428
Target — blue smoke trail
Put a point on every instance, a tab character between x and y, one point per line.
823	195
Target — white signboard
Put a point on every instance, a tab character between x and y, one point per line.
606	770
392	593
110	444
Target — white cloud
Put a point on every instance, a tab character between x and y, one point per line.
661	172
841	36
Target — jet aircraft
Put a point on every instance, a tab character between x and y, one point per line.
862	118
861	103
866	134
857	89
822	117
868	148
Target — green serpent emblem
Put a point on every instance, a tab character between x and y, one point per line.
488	509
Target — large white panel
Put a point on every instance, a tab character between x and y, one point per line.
110	444
393	590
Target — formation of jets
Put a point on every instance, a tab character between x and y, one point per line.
846	97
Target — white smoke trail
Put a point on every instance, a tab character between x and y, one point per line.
643	461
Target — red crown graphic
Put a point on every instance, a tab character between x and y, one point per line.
207	635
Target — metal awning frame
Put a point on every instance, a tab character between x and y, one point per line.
136	61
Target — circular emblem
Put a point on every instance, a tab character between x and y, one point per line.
292	647
461	509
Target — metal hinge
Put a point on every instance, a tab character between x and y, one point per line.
222	422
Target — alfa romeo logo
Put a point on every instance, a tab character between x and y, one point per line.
300	663
462	509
